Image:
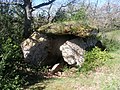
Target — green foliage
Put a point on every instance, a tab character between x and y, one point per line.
63	15
60	16
9	65
40	20
80	15
11	84
10	53
93	59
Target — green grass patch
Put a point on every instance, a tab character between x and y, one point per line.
111	40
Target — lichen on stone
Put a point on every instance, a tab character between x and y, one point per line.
72	27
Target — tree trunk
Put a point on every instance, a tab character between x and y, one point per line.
28	18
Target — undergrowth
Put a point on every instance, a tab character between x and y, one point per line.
110	41
93	59
111	45
96	58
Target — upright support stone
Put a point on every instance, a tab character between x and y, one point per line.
73	51
35	48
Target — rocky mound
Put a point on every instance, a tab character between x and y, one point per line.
58	43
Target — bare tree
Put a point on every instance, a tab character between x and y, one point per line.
28	9
28	15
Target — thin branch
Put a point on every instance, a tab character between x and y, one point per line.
12	3
48	18
96	4
43	4
62	6
87	6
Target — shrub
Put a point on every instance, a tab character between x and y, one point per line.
80	15
10	53
93	59
9	65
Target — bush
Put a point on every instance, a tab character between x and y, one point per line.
93	59
80	15
13	69
10	60
10	53
9	65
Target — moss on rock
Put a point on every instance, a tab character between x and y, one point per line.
72	27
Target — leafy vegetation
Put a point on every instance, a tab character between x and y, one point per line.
63	15
93	59
10	53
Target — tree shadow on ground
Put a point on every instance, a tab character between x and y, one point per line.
34	78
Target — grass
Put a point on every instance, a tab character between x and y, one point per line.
106	77
113	35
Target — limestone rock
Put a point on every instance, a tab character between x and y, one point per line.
48	49
73	51
35	48
42	49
